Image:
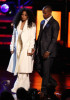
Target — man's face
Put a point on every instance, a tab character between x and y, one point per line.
46	13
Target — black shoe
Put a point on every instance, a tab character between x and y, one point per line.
43	96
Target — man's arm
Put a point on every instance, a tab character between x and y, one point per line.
53	41
54	36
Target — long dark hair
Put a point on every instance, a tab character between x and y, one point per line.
17	17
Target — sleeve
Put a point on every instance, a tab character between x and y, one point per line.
12	40
54	36
37	41
32	39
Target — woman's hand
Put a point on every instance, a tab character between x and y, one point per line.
30	54
12	52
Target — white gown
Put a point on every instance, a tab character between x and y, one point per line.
19	61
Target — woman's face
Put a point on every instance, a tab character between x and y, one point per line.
24	16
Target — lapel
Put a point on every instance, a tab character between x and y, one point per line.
42	23
24	34
24	28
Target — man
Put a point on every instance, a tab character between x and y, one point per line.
46	48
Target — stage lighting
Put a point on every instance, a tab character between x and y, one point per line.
9	8
4	8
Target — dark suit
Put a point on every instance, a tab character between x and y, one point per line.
47	42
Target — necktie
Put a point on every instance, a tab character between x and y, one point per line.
45	23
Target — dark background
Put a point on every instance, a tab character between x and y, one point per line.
62	61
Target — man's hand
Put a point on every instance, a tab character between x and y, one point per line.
33	51
12	52
46	54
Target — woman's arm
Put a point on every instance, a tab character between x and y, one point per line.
31	49
12	41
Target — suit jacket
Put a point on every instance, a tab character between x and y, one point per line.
48	37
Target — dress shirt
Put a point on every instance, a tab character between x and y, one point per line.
46	21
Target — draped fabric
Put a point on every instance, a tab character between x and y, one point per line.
22	41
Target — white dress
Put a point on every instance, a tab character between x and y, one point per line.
22	42
19	61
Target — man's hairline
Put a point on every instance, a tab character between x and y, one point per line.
47	8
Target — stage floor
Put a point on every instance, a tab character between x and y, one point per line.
7	80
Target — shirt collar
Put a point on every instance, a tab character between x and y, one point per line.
48	18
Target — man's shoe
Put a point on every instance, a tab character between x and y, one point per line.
43	96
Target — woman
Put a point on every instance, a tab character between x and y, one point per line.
22	48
